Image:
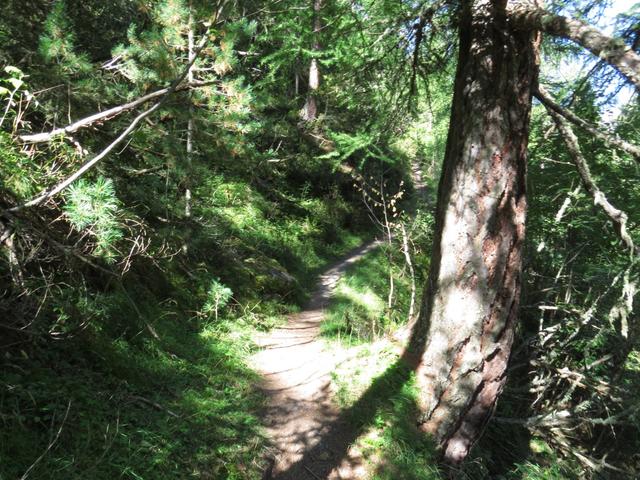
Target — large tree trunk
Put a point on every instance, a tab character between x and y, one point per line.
470	305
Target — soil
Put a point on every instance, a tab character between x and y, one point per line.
302	421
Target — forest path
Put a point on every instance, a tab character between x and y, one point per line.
296	371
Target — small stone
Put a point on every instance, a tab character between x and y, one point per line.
324	455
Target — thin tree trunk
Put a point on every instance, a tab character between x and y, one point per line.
407	259
389	235
311	105
191	46
471	301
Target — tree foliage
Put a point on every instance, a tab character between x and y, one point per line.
129	296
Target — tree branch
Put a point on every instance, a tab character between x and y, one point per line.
88	165
526	15
618	217
610	139
106	114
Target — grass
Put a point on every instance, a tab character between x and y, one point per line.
380	396
358	310
180	407
391	444
383	403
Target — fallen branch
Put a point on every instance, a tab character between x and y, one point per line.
313	474
565	418
553	419
107	114
88	165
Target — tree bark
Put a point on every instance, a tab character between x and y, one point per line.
471	300
311	105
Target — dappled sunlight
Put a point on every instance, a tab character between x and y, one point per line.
156	409
286	240
391	446
372	303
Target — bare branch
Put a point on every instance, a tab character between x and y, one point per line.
618	217
527	15
106	114
610	139
565	418
154	405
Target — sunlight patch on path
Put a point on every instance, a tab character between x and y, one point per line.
296	369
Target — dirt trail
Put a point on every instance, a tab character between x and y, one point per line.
296	378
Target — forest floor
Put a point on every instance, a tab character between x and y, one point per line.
296	367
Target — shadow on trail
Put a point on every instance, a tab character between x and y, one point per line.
342	433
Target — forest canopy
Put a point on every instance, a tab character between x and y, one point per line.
176	176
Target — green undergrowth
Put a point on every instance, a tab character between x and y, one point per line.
510	452
358	311
132	406
380	396
144	375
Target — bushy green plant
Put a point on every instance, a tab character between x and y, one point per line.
57	45
218	297
93	207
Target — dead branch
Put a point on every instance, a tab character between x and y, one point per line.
107	114
610	139
617	216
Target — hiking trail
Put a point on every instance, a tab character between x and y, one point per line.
296	367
